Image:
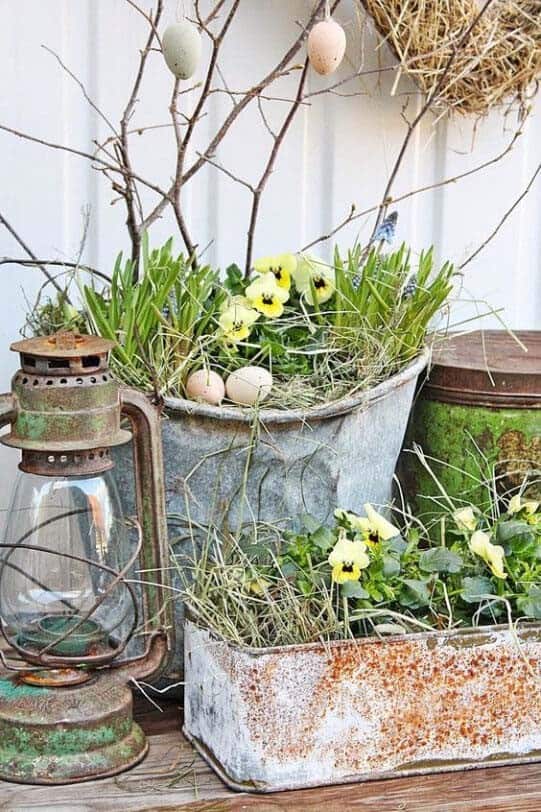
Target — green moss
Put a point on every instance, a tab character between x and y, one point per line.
450	433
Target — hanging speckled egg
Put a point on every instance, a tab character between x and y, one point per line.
181	46
326	46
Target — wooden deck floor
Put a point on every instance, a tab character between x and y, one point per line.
173	777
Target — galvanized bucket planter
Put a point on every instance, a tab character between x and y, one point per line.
227	466
300	716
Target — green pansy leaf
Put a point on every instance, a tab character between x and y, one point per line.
288	568
514	529
414	594
391	566
323	538
353	589
474	588
530	604
397	545
440	559
309	523
374	593
234	280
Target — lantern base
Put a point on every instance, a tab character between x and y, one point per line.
65	735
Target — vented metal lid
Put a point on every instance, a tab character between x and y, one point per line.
488	368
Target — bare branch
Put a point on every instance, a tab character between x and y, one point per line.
258	191
504	219
214	13
430	99
355	215
230	174
130	194
251	94
76	266
82	154
31	254
83	89
150	20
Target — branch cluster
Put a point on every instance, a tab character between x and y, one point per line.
112	156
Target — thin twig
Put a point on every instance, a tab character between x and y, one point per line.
354	215
77	266
251	94
31	254
130	194
82	154
259	189
503	220
83	89
429	101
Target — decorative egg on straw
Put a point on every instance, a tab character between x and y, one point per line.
181	47
205	386
326	46
248	385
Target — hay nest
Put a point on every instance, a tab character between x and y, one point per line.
498	63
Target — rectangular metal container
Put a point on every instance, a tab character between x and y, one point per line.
301	716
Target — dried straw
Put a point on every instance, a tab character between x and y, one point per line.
498	63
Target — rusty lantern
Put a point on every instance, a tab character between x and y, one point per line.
74	571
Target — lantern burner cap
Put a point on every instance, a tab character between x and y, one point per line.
56	677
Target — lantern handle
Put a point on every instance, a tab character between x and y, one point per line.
8	408
150	502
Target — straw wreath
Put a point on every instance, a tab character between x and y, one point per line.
499	63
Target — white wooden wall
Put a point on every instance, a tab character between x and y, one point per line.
338	152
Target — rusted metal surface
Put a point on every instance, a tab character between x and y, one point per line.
292	462
465	418
300	716
151	510
74	412
63	352
51	735
488	368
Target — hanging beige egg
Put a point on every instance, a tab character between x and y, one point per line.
181	46
205	386
248	385
326	46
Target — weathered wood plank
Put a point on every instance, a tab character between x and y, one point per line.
174	777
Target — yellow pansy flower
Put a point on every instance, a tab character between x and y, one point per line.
465	519
313	271
374	527
492	554
282	266
347	559
258	586
236	320
266	296
517	503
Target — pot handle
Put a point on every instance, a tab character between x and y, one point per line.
150	501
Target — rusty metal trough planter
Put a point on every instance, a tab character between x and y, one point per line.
295	461
300	716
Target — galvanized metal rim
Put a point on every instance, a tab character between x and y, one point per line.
335	409
529	627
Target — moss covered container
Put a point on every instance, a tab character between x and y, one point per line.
478	417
